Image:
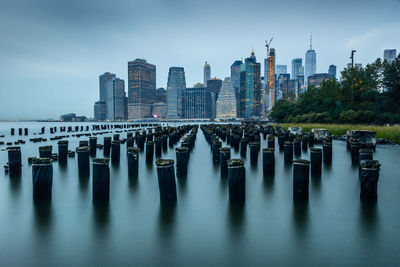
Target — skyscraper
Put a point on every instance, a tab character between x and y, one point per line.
389	55
141	88
226	102
281	69
297	68
250	88
311	63
235	79
198	101
103	79
269	76
100	111
332	70
317	79
214	85
283	85
207	73
175	89
115	102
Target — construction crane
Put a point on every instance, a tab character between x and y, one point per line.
352	57
267	44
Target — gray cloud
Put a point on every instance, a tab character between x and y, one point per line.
53	51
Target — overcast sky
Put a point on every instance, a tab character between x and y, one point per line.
52	52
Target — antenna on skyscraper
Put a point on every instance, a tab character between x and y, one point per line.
267	44
311	41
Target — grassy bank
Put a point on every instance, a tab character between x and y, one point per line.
391	132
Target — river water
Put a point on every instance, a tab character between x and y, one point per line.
333	228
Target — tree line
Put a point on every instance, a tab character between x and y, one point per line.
366	95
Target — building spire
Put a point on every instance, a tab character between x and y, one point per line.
311	41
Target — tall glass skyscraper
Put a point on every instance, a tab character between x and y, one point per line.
389	55
281	69
332	71
235	79
115	103
198	101
175	90
269	77
297	68
103	79
141	88
207	73
250	88
226	102
311	63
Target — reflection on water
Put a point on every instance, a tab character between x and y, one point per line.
63	164
43	215
166	218
182	183
133	183
101	216
368	215
316	184
15	185
268	184
149	165
300	217
236	217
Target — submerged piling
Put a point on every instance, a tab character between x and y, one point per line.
158	145
236	180
327	152
268	162
93	145
355	152
316	161
149	152
42	178
115	151
182	159
288	152
101	181
62	151
254	152
216	145
224	156
271	141
107	146
83	160
369	176
166	180
243	146
304	142
133	162
297	147
301	170
365	154
45	151
14	160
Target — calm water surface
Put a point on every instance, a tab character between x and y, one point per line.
334	228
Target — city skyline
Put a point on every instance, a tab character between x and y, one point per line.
58	50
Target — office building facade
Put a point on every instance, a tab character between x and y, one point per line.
297	68
389	55
100	111
198	102
115	102
206	74
226	102
250	89
175	89
141	88
269	77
